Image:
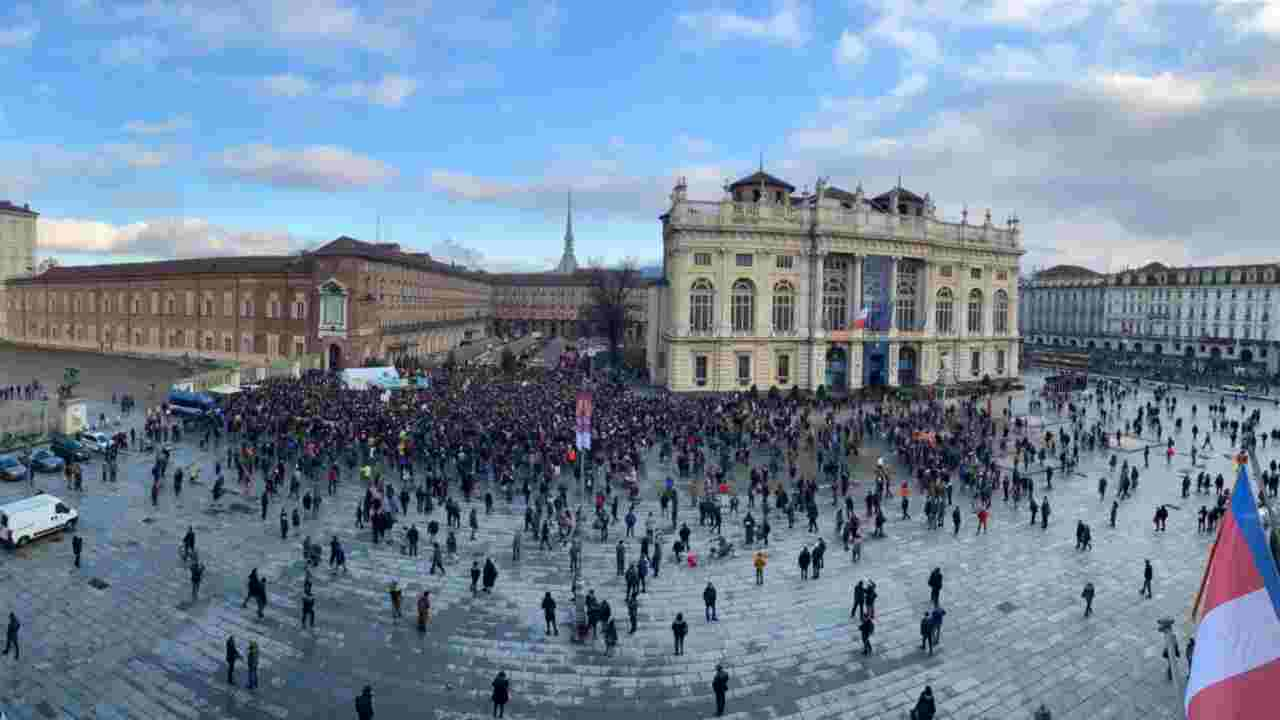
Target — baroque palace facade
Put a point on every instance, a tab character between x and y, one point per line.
1220	312
768	288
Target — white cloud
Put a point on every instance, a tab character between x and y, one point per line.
1041	15
1054	62
694	145
789	25
143	50
1164	92
318	167
1252	16
19	36
919	44
286	85
389	92
170	125
851	50
135	157
910	86
159	238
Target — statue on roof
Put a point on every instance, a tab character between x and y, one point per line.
929	209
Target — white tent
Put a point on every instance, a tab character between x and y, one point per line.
362	378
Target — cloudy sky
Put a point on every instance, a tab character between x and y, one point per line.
1117	131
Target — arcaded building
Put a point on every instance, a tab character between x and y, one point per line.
768	287
17	249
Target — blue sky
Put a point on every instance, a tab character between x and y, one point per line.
1117	131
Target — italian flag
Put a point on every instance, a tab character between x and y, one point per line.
861	322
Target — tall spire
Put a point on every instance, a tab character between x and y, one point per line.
568	263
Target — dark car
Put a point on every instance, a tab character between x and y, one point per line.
11	469
68	449
45	461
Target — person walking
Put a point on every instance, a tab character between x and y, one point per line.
11	637
620	554
709	598
309	610
501	692
925	707
633	612
859	600
679	629
364	704
549	614
77	547
759	560
475	577
396	594
805	558
233	655
252	663
197	576
720	686
866	628
1087	594
424	610
490	575
1147	574
935	586
926	633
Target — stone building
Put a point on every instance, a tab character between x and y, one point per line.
17	249
1221	312
767	287
344	303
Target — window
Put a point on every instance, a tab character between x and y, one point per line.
743	259
155	303
744	369
945	271
999	362
700	370
246	343
743	307
784	307
784	369
905	302
975	312
1001	320
702	258
208	307
226	343
228	306
299	347
1002	275
137	305
835	305
975	362
171	305
701	304
299	310
190	302
106	304
945	312
786	262
208	342
246	307
975	273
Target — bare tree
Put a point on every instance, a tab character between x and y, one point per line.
613	300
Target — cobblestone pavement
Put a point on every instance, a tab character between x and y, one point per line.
1014	634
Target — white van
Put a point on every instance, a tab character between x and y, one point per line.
31	518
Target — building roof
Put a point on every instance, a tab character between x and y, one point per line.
390	252
6	206
758	176
247	264
903	194
1064	270
535	279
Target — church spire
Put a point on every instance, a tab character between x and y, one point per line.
568	263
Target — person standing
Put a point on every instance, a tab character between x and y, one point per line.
77	547
720	686
1087	594
620	554
1147	574
252	663
364	704
925	707
633	612
11	637
709	598
309	610
475	577
549	614
233	654
926	633
197	576
490	575
424	610
501	692
859	600
679	629
760	560
284	525
935	586
865	629
397	594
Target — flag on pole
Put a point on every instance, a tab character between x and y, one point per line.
861	321
1235	672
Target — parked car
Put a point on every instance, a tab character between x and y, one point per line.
11	469
95	441
45	461
69	449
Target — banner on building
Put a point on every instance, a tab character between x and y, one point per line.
585	402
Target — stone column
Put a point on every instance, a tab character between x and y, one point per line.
926	296
893	294
891	368
802	300
852	302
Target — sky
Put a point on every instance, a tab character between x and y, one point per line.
1118	132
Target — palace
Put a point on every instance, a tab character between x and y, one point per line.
766	287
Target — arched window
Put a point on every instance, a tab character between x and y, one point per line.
784	307
835	305
701	306
975	312
905	303
946	313
1001	320
743	307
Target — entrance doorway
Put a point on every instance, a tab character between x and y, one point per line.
907	362
335	357
1215	352
875	358
1246	356
837	369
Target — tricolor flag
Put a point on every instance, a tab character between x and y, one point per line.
1235	672
861	321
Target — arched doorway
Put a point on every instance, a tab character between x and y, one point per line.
1072	343
1246	355
1057	341
1107	344
335	357
907	361
1158	349
1215	352
1092	345
1137	347
837	369
1189	352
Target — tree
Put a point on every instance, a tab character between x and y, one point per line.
508	361
612	300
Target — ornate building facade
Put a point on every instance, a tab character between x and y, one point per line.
769	288
1226	312
17	249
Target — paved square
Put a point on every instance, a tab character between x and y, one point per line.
119	638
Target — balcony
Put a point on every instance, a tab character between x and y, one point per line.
727	214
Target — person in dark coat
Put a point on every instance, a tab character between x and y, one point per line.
925	708
501	693
804	562
865	629
549	614
679	629
935	585
490	574
709	598
233	654
77	547
11	637
720	686
364	704
926	633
